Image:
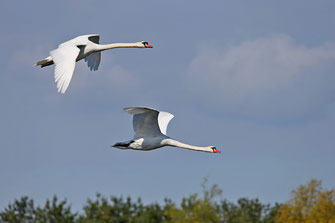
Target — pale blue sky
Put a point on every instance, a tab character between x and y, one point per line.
254	78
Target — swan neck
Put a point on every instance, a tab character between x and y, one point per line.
118	45
175	143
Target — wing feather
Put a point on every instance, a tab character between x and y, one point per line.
149	122
64	58
93	60
94	38
163	120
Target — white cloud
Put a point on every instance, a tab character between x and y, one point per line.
267	77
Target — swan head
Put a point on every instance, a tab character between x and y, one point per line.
144	44
215	150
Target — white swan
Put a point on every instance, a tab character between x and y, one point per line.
150	132
86	46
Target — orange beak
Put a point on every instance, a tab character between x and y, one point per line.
148	46
215	150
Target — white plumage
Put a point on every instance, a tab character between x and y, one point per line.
65	61
150	127
149	122
86	46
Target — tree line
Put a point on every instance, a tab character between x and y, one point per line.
309	203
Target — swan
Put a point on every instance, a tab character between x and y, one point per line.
150	127
85	46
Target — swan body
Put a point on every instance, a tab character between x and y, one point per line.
82	47
150	127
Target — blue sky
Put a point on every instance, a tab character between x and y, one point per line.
254	78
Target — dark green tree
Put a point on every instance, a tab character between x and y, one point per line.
118	210
192	209
24	211
247	211
152	213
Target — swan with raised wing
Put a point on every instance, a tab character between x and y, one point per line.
69	52
150	127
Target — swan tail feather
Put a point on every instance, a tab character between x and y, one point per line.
123	145
45	62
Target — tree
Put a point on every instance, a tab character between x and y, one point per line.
308	204
194	209
152	213
247	211
102	210
24	211
118	210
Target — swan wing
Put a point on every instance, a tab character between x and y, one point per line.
94	38
82	40
64	58
93	60
145	121
148	121
163	120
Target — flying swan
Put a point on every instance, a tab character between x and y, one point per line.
150	132
69	52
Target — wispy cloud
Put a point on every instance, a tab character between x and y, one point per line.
268	77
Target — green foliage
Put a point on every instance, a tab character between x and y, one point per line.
24	211
117	210
247	211
195	208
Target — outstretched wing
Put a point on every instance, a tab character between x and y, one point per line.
163	120
64	58
148	122
94	38
93	60
145	121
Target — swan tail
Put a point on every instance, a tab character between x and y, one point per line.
123	145
45	62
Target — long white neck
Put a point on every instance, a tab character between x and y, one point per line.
175	143
118	45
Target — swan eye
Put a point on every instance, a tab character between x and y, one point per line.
146	44
215	150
